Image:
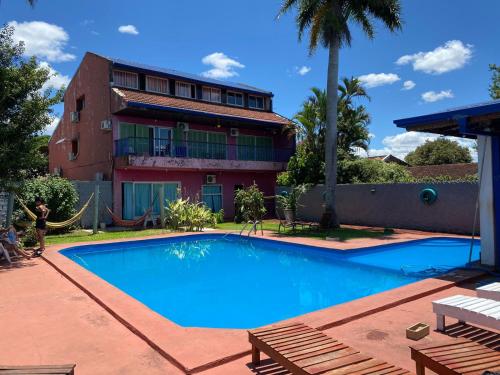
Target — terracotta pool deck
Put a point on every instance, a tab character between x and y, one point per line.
54	311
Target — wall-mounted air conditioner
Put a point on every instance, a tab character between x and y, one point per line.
106	125
234	132
74	117
71	156
211	179
184	126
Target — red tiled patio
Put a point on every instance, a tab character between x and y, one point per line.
47	319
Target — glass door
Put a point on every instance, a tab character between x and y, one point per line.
162	142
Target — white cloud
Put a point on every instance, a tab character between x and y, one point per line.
401	144
53	124
44	40
222	66
128	29
378	79
451	56
408	85
303	70
432	96
57	80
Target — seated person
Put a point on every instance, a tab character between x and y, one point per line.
10	240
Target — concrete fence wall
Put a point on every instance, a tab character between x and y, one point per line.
398	206
85	189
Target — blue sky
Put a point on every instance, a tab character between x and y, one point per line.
444	49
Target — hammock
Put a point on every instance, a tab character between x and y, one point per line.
61	224
129	223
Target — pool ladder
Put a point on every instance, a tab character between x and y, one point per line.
253	227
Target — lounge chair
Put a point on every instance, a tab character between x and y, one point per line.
490	291
482	311
10	241
459	356
38	370
294	224
304	350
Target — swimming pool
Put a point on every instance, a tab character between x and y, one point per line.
217	281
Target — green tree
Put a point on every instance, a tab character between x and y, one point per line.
328	22
495	81
439	151
25	110
363	170
249	203
306	167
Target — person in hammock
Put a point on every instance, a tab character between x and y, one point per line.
41	224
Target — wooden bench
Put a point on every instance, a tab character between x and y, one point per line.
38	370
304	350
460	356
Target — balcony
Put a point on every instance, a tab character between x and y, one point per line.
165	153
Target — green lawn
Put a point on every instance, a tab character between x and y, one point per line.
271	225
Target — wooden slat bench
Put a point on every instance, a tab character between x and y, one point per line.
38	370
459	356
304	350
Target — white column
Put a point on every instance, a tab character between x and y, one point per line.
486	211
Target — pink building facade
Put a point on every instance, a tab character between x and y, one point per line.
145	128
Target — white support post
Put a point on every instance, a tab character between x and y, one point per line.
96	209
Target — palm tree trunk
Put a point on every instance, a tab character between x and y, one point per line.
330	219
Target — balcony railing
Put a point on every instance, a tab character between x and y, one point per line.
200	150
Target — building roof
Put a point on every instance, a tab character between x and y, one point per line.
452	170
187	76
450	122
156	101
388	158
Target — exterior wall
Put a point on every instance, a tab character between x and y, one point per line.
191	183
398	206
95	145
85	189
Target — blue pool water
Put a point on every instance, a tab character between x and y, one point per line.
229	282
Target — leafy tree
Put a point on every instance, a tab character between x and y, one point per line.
25	111
373	171
495	81
306	167
249	203
439	151
328	22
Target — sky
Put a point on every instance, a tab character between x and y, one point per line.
439	60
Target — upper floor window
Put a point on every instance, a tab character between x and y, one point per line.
186	90
211	94
255	102
80	103
125	79
155	84
235	98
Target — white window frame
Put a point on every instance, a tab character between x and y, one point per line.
158	78
177	83
236	93
179	187
257	96
126	72
208	195
211	90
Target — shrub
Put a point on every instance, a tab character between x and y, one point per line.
289	201
218	216
284	179
361	171
249	203
191	216
59	194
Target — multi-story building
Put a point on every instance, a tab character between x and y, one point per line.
142	127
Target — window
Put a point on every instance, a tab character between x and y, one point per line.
75	147
155	84
256	102
211	94
139	197
251	147
212	197
206	145
235	98
80	103
125	79
186	90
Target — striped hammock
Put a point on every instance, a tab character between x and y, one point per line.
62	224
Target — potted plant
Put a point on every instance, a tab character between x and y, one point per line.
288	201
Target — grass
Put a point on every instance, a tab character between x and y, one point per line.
271	225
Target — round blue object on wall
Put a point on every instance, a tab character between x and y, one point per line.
284	193
428	195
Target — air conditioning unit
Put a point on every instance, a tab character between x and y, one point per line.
184	126
234	132
57	172
211	179
75	117
71	156
106	125
99	176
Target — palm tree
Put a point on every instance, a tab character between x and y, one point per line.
329	21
